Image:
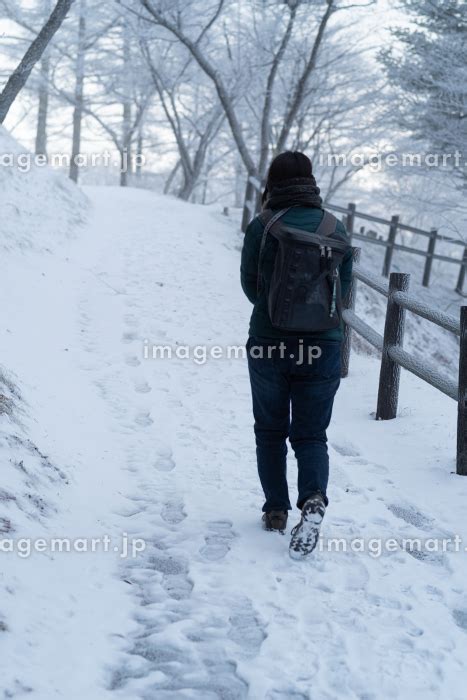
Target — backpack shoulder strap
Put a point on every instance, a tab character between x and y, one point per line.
268	218
327	225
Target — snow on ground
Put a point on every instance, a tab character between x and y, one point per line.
422	338
40	207
163	450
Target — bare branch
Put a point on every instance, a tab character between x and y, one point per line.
213	74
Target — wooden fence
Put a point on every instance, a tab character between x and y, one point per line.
351	214
394	356
394	227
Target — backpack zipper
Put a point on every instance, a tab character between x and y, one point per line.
333	292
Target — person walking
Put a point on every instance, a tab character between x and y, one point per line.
296	267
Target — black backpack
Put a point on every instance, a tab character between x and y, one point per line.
305	292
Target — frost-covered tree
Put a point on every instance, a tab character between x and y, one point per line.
427	67
20	75
189	105
265	63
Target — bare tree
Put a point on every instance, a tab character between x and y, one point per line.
254	166
43	94
20	75
194	119
27	20
211	71
79	91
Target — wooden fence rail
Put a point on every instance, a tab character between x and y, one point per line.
394	226
390	344
351	214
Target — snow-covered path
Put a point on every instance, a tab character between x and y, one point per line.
214	608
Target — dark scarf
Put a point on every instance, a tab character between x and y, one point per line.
298	191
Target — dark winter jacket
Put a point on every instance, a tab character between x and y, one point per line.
307	218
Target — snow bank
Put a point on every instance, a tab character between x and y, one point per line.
39	209
39	206
29	478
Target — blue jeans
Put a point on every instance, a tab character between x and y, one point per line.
293	384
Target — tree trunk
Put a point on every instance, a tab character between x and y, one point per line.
186	190
126	125
79	92
43	94
189	181
19	77
239	182
170	179
123	167
139	152
41	130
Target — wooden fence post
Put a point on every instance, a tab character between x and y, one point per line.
349	303
461	278
350	219
429	257
390	246
461	466
388	392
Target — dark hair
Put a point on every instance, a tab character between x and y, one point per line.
285	166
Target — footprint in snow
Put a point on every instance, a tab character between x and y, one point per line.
379	469
358	460
129	337
435	558
132	361
460	618
175	579
354	491
388	603
165	463
147	659
142	388
218	540
356	577
346	449
158	335
246	628
411	516
144	420
130	511
434	593
173	512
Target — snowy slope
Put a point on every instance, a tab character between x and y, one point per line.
40	207
422	338
41	211
163	450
